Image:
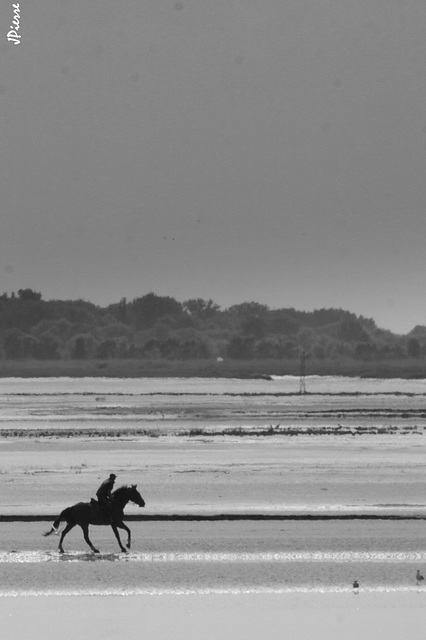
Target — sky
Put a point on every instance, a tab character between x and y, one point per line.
239	150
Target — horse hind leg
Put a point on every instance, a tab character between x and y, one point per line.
85	529
68	528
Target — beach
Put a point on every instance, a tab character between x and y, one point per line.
245	532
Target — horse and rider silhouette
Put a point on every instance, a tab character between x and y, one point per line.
108	510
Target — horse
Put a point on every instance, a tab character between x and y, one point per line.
85	513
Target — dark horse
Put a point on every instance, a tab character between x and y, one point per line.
85	513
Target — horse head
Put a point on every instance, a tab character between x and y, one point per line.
135	496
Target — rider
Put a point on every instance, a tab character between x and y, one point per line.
103	494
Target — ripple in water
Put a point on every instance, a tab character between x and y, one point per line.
36	557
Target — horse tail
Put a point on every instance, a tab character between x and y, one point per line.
64	515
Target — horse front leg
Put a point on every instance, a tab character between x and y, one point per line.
121	525
117	535
68	528
87	539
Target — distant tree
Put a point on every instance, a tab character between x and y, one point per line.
241	348
193	349
270	348
162	330
106	349
13	344
413	348
249	309
321	317
150	308
30	347
63	328
169	349
48	346
283	322
122	310
123	348
319	351
390	352
76	312
306	338
28	294
115	329
200	308
17	344
290	349
352	330
151	349
419	332
254	326
365	350
82	346
79	351
22	313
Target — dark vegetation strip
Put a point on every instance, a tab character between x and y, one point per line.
225	517
195	432
404	368
233	394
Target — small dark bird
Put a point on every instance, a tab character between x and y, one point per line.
355	586
419	577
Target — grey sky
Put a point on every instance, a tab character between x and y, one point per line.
268	150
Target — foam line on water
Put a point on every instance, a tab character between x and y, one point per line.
194	557
211	591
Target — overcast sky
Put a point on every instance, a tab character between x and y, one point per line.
266	150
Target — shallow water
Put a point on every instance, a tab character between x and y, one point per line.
238	557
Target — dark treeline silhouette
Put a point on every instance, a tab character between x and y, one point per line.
159	327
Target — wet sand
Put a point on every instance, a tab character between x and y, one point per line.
380	474
299	616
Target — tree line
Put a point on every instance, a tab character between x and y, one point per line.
161	327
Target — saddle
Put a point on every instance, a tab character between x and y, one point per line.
99	512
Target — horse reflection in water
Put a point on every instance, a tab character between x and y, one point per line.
86	513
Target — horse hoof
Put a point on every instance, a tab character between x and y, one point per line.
61	551
128	545
96	551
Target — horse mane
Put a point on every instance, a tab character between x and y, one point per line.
120	490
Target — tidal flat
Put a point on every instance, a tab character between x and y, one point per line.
209	446
251	450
